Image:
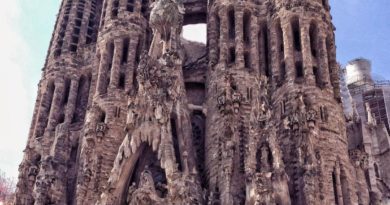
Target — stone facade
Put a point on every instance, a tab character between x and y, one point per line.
128	112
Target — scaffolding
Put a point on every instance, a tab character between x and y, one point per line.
361	85
376	94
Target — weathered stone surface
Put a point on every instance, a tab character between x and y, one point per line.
129	113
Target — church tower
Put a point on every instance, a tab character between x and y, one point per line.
129	112
49	169
121	38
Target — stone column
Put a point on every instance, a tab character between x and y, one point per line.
44	109
306	52
239	41
288	50
102	76
116	63
276	54
56	105
262	52
102	18
338	185
223	40
213	39
108	10
87	87
255	28
323	58
131	62
71	106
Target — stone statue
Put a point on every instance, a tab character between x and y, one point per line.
146	193
130	192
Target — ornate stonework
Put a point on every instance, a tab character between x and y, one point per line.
128	112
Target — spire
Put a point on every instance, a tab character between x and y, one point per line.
166	21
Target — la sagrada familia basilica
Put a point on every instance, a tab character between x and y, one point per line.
129	112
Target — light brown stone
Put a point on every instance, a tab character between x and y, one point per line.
129	113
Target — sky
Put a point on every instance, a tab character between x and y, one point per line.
362	30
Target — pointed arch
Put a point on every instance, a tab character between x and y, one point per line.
129	166
264	158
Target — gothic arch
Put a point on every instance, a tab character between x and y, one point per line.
264	158
144	158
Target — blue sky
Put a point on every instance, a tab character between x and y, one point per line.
363	30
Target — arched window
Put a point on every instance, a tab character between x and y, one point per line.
122	81
103	117
296	33
264	54
218	35
279	33
247	60
377	175
264	158
66	92
232	24
334	182
125	51
232	55
317	77
299	70
313	33
138	51
282	75
247	27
